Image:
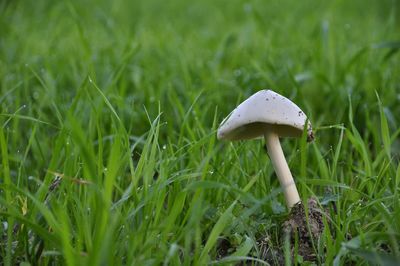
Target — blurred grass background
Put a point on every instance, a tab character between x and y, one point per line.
120	100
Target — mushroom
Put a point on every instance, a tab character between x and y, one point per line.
270	115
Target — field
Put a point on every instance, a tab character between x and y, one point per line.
108	120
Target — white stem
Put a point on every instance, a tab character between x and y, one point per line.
281	168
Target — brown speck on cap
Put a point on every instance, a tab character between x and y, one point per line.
310	137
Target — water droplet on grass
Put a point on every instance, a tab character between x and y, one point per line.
237	72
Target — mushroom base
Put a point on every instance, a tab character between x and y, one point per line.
307	230
301	231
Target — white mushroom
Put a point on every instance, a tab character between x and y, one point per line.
268	114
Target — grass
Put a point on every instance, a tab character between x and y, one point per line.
108	118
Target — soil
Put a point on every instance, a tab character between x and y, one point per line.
298	227
307	230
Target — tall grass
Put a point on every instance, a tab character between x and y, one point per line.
108	115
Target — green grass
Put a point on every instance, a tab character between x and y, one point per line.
108	118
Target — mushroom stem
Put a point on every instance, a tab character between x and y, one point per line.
281	168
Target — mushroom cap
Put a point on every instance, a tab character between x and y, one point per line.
264	111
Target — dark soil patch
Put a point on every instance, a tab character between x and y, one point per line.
224	246
302	227
306	226
307	229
